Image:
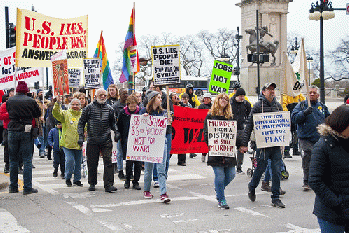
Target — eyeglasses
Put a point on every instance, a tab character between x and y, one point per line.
225	99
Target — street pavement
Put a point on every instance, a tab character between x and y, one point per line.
193	207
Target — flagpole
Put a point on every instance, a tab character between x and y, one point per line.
306	78
99	47
132	83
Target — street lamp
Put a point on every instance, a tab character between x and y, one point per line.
309	60
322	11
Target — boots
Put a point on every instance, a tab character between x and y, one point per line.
55	172
127	184
121	175
266	186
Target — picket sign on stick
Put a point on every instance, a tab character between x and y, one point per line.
221	137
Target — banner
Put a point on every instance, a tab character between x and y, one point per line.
220	77
166	64
74	77
146	138
221	137
8	67
92	73
60	77
188	130
38	37
272	129
290	83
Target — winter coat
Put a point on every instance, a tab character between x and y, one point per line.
69	119
263	105
306	125
240	110
118	107
219	161
4	116
53	138
329	176
205	106
100	120
21	109
193	99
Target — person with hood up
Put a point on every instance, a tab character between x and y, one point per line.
193	99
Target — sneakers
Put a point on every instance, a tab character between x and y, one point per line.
11	190
156	184
306	187
278	203
164	198
223	204
121	175
136	187
127	184
110	189
30	191
192	155
68	182
266	186
147	195
252	194
7	169
239	171
282	192
203	158
92	187
55	173
78	183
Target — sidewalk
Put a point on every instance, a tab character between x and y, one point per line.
4	181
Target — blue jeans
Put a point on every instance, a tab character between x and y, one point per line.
328	227
262	155
268	171
169	144
161	171
119	157
20	145
222	177
73	160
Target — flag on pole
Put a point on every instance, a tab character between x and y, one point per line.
101	52
291	85
130	52
300	64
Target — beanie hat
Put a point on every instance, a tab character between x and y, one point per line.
152	95
240	91
22	87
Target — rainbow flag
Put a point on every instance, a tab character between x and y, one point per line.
130	52
106	72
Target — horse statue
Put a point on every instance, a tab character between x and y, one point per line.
264	47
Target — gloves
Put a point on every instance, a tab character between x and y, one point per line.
117	136
80	142
308	111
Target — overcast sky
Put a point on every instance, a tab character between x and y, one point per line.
180	18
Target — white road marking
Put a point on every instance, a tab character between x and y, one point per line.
248	211
297	229
83	209
8	223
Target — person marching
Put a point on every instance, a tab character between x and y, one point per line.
223	167
207	104
53	139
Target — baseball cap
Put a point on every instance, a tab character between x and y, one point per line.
267	85
207	95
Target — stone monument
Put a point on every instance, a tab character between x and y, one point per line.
272	21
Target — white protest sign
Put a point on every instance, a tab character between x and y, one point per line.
74	77
92	73
8	68
166	64
272	129
221	137
146	138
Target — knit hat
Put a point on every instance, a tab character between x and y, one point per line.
152	95
22	87
240	91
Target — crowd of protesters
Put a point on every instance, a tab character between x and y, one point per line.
65	124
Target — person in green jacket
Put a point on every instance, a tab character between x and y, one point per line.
69	140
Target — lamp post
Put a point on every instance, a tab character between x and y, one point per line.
309	60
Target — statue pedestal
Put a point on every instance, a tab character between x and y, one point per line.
268	74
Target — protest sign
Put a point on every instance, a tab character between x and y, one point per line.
221	137
92	73
146	138
60	77
38	37
272	129
74	78
166	64
188	130
220	77
8	68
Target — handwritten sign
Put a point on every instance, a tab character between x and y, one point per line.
92	73
220	77
272	129
221	137
74	77
38	37
146	138
166	64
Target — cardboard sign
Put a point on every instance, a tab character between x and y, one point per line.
146	138
221	137
38	37
272	129
220	77
166	64
60	77
92	73
74	77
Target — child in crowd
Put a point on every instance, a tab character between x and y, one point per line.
58	155
123	127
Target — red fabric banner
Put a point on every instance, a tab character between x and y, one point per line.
187	132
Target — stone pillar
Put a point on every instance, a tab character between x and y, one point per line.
272	14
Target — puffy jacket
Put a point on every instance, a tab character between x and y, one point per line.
69	119
21	109
241	110
289	102
263	105
306	125
4	116
219	161
329	176
100	121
